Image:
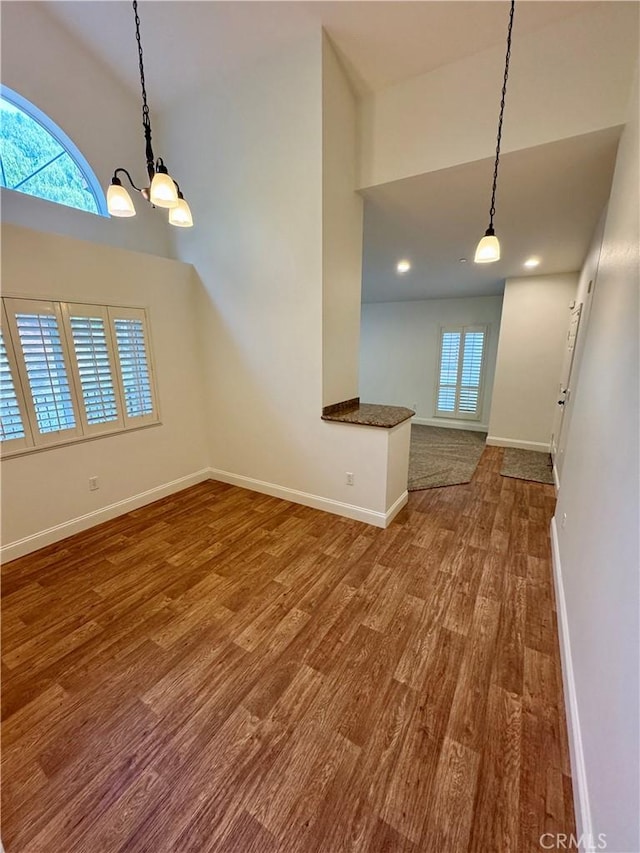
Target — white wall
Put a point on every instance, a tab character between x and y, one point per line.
341	234
49	488
598	546
399	351
257	248
533	335
51	68
567	79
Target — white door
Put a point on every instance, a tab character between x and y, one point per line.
564	386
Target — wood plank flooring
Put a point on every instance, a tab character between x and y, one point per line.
224	671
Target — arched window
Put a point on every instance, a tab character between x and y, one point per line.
38	158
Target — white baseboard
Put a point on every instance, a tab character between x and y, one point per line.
53	534
28	544
578	768
359	513
556	479
497	441
395	508
445	424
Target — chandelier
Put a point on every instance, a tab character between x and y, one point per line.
162	191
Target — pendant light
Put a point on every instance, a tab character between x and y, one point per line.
488	249
180	215
162	191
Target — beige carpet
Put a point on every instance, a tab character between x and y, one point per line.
443	457
527	465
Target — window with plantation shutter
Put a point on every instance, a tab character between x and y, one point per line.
134	363
94	369
10	417
450	351
94	366
39	337
460	377
13	427
40	349
71	370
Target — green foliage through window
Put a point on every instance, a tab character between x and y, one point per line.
37	158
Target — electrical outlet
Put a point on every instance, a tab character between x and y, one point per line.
349	478
414	406
563	523
94	485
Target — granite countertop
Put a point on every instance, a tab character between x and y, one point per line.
366	414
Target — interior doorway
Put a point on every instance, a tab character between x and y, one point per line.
564	386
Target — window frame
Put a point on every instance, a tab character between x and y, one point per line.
457	415
21	103
83	431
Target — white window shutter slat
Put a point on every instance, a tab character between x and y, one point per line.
46	371
135	365
95	372
11	423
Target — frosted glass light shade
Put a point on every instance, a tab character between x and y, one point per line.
181	215
163	192
488	250
119	201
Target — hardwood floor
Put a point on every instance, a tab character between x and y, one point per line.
224	671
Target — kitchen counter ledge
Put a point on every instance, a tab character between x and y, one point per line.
366	414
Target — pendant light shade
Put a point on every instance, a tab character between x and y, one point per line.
119	201
180	215
488	249
163	192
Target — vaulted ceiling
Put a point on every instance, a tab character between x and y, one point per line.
381	43
549	199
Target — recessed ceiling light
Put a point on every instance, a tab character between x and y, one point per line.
463	260
403	266
531	262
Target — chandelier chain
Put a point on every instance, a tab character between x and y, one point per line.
492	209
145	107
146	118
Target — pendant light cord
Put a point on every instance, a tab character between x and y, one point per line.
146	118
492	209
